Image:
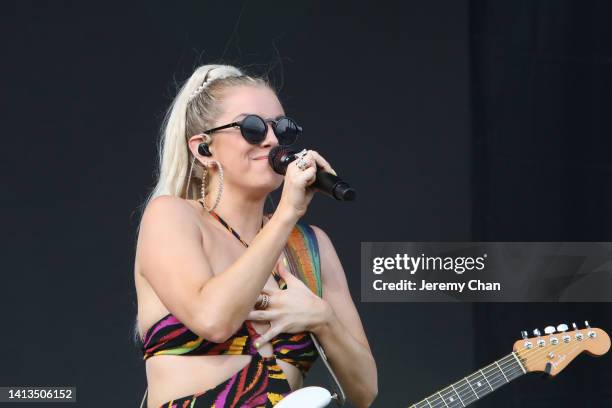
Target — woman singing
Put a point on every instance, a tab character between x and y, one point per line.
222	317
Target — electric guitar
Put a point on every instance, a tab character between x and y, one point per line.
549	353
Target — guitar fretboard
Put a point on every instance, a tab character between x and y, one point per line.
477	385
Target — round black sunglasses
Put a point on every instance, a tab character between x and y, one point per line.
254	129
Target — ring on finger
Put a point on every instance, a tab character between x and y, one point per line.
301	154
263	300
302	163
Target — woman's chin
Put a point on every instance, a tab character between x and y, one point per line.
273	183
272	179
266	184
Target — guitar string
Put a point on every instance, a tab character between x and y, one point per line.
440	401
495	379
441	398
466	389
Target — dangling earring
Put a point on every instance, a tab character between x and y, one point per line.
203	150
189	178
220	189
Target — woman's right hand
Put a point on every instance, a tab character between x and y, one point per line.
297	192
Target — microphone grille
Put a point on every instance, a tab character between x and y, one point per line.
279	157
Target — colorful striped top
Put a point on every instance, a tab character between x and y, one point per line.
169	336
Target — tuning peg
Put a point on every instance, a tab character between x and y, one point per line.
549	329
541	342
562	327
524	334
575	326
590	333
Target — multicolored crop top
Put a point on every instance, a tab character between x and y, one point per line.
169	336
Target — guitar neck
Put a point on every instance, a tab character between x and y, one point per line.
475	386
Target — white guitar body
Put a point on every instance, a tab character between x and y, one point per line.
307	397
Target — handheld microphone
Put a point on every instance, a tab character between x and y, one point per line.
280	157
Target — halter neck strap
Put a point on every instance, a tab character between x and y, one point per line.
228	227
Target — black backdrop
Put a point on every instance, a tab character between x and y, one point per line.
542	169
456	120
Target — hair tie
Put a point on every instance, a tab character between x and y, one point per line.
201	87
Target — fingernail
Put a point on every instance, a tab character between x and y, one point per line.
257	344
334	172
285	261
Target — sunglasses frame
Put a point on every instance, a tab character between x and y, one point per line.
272	122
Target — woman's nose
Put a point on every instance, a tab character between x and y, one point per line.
270	139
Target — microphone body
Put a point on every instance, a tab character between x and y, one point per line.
280	157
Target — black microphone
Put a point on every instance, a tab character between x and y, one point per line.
280	157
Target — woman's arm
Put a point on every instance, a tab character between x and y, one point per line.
341	333
174	263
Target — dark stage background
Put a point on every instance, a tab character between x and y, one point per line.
456	120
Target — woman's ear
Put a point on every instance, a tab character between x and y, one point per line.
202	144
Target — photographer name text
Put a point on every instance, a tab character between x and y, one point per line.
475	285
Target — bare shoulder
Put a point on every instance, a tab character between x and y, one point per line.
322	238
167	205
168	211
167	218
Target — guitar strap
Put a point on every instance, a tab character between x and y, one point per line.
302	252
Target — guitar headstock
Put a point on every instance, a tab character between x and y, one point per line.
552	351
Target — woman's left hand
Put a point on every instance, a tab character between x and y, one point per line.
291	310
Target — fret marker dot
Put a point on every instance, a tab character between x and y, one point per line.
451	399
478	383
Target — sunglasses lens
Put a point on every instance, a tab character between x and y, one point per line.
286	131
253	129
